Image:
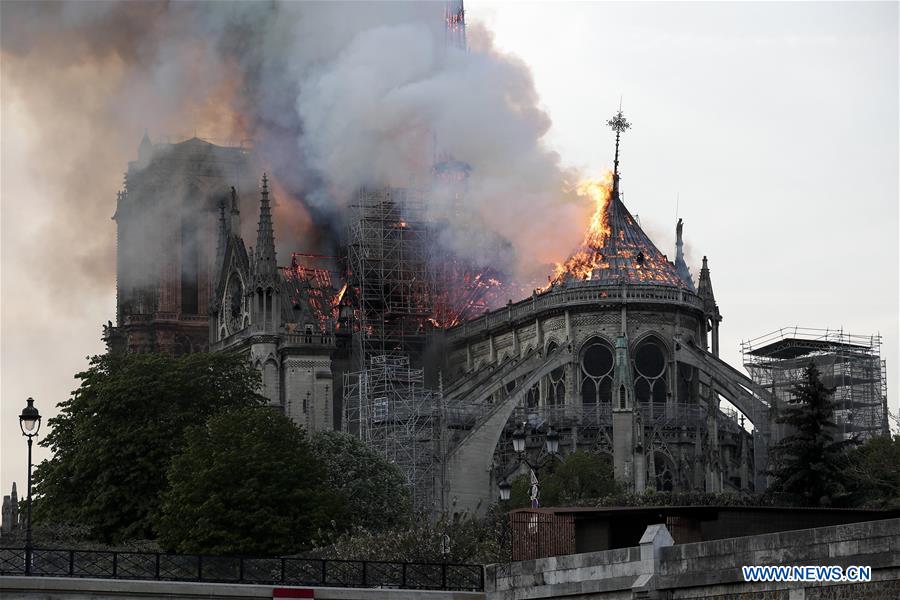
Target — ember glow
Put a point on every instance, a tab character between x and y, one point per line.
311	282
588	257
464	293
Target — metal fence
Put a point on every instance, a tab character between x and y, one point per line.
539	534
312	572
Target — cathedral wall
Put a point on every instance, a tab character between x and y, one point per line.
264	356
308	391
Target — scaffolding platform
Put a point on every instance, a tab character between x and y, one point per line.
851	364
388	407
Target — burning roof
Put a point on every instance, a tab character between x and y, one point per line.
313	285
615	249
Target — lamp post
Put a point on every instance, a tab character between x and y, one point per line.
518	441
29	423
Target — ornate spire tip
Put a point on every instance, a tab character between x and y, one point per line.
618	122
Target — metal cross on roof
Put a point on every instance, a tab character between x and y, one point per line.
618	122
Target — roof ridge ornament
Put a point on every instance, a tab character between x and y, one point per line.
618	124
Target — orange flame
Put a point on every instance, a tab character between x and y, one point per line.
582	263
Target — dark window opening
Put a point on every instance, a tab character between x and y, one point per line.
642	390
649	360
598	360
588	392
659	392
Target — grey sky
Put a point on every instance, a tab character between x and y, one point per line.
775	123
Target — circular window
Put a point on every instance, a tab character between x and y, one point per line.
598	360
649	360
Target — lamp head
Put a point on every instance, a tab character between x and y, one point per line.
505	490
30	419
552	442
518	440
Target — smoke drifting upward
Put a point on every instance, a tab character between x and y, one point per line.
332	95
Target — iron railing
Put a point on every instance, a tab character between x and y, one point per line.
313	572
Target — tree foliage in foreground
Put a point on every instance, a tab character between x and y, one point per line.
578	478
875	473
461	539
113	439
375	490
246	483
810	464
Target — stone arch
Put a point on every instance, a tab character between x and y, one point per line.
469	462
551	340
652	336
594	337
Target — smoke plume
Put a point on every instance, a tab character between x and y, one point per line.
333	95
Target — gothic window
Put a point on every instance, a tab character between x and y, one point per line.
596	373
233	303
532	398
555	382
665	478
650	373
623	397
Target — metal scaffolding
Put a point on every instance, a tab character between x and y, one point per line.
389	409
387	258
849	363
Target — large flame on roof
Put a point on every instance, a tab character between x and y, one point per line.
588	256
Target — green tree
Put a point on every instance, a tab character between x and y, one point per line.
113	439
810	464
246	483
875	472
376	490
578	478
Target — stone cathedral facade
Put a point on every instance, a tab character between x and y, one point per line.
622	360
186	282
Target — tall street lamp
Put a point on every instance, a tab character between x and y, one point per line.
518	440
29	423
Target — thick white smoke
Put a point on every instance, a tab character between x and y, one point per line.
334	95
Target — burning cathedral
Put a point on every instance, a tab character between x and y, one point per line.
408	345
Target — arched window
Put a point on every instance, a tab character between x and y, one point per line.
555	382
650	373
665	477
596	373
533	396
623	397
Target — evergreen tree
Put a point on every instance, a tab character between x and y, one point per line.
810	464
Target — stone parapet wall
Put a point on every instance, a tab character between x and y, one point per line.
61	588
711	570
